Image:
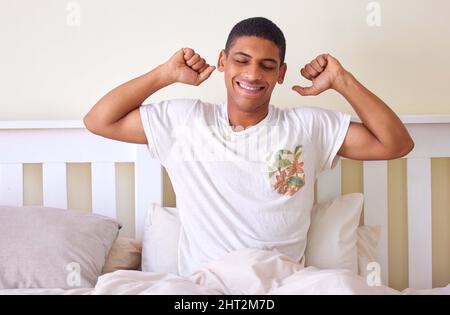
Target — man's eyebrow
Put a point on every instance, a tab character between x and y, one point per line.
247	55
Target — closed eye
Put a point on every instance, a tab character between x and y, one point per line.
267	68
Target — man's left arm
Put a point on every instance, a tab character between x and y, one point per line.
381	135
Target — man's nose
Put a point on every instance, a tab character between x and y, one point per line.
253	73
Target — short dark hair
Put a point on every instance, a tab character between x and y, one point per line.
259	27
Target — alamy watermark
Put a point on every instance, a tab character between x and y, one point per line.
374	17
373	278
210	143
73	17
73	278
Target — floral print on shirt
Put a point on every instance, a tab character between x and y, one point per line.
286	171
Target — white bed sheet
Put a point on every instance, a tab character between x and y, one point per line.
83	291
243	272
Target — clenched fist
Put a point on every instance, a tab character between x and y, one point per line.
324	71
186	66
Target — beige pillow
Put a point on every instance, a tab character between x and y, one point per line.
53	248
125	254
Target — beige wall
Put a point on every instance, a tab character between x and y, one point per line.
50	70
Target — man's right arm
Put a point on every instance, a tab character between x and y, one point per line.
116	115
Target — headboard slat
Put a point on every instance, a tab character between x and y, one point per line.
419	223
104	189
148	187
329	183
11	184
54	183
376	208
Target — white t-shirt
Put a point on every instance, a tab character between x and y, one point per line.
248	189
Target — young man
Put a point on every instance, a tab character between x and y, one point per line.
244	171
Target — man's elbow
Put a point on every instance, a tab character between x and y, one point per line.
409	147
405	150
90	124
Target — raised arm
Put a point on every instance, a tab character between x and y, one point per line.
381	135
116	115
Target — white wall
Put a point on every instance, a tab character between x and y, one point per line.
50	70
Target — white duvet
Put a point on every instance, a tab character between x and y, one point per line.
243	272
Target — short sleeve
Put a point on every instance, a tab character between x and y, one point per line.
327	130
160	121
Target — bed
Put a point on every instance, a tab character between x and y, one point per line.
55	143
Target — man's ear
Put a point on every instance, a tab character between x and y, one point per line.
283	70
222	61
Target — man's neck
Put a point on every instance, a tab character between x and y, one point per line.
240	120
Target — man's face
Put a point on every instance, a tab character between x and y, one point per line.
252	69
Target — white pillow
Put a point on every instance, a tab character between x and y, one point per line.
332	235
162	230
160	242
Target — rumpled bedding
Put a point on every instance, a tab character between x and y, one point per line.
242	272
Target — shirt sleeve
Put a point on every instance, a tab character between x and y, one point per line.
327	130
161	120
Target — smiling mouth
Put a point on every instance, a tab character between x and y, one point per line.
248	89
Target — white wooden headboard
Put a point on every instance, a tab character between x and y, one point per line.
55	143
431	136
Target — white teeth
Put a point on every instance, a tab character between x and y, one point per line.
248	87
